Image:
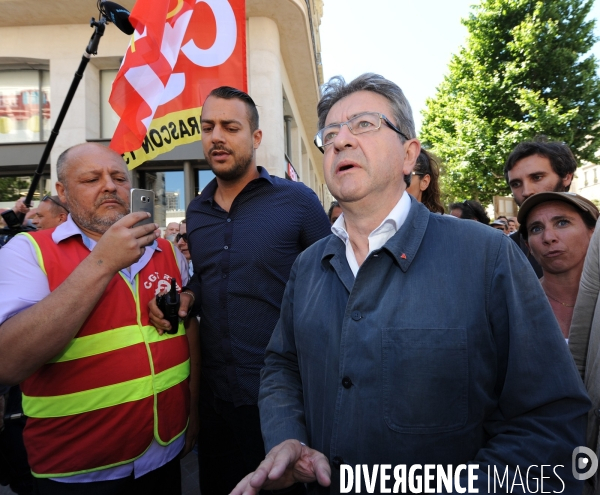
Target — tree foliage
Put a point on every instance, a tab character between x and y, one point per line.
10	188
524	72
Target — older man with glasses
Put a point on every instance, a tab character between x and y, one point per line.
402	342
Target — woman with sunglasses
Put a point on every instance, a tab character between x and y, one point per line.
424	183
181	242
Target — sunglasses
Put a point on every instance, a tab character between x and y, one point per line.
55	202
181	236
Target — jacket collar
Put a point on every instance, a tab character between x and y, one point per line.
403	246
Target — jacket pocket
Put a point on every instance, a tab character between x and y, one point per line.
425	379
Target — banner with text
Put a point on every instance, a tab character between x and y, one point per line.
180	51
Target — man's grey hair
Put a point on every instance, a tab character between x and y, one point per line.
60	166
337	88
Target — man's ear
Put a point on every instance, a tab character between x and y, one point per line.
257	138
412	148
62	217
567	180
60	191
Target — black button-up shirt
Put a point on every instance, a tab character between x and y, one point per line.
242	260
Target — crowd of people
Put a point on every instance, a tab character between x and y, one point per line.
381	332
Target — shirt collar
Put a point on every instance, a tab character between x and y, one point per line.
393	220
403	246
208	193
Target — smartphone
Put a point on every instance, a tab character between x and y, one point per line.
142	200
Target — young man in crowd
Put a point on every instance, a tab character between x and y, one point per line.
244	232
534	167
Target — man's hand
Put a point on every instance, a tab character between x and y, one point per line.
288	463
157	317
123	244
191	434
20	206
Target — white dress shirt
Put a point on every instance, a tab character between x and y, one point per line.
390	225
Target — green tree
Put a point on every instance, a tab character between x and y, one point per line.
10	188
524	72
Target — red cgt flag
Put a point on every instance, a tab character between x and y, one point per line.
179	52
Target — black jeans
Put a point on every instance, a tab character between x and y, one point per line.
230	444
166	480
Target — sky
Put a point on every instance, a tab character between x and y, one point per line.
408	42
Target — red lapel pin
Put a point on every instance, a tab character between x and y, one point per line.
403	256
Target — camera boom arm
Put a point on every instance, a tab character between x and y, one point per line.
14	221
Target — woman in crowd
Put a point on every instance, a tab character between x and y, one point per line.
557	227
424	183
470	210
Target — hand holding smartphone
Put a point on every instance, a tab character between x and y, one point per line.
142	200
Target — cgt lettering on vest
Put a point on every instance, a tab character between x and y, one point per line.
165	134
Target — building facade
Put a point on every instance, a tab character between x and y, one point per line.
587	182
42	45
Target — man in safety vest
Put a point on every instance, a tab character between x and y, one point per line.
107	398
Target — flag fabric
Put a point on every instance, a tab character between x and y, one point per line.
180	51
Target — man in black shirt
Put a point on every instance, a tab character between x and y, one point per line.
244	232
538	166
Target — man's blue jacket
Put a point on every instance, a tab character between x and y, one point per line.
443	350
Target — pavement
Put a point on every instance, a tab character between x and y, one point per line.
189	477
189	474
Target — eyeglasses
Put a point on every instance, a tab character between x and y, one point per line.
365	122
55	202
181	236
467	205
